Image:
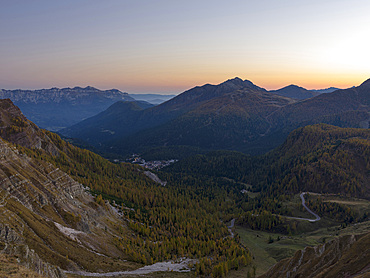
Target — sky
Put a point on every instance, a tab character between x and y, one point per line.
169	46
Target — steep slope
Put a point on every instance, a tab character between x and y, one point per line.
58	108
48	220
294	91
346	256
45	210
15	127
229	121
321	158
10	268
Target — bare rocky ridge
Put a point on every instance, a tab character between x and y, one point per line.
39	204
346	256
49	221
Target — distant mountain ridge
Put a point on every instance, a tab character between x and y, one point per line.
157	115
225	122
75	95
152	98
327	90
235	115
56	108
294	91
331	108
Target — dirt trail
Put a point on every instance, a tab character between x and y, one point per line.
182	266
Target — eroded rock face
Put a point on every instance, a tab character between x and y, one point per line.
345	256
45	215
48	220
35	184
30	259
8	235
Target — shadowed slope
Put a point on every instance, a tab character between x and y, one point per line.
346	256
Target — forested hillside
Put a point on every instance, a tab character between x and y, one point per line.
157	223
318	158
230	121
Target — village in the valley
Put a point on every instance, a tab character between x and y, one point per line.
151	165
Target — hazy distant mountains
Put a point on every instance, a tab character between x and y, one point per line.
294	91
235	115
327	90
56	108
152	98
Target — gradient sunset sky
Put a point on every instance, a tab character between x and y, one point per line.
169	46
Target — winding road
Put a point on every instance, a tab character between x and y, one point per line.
310	211
231	226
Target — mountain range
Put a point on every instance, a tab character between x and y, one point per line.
235	115
56	108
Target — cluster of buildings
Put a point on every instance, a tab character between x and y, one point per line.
152	165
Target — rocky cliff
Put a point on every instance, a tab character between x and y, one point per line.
50	222
346	256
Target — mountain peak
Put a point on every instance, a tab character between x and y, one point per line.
238	82
293	91
90	88
294	86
